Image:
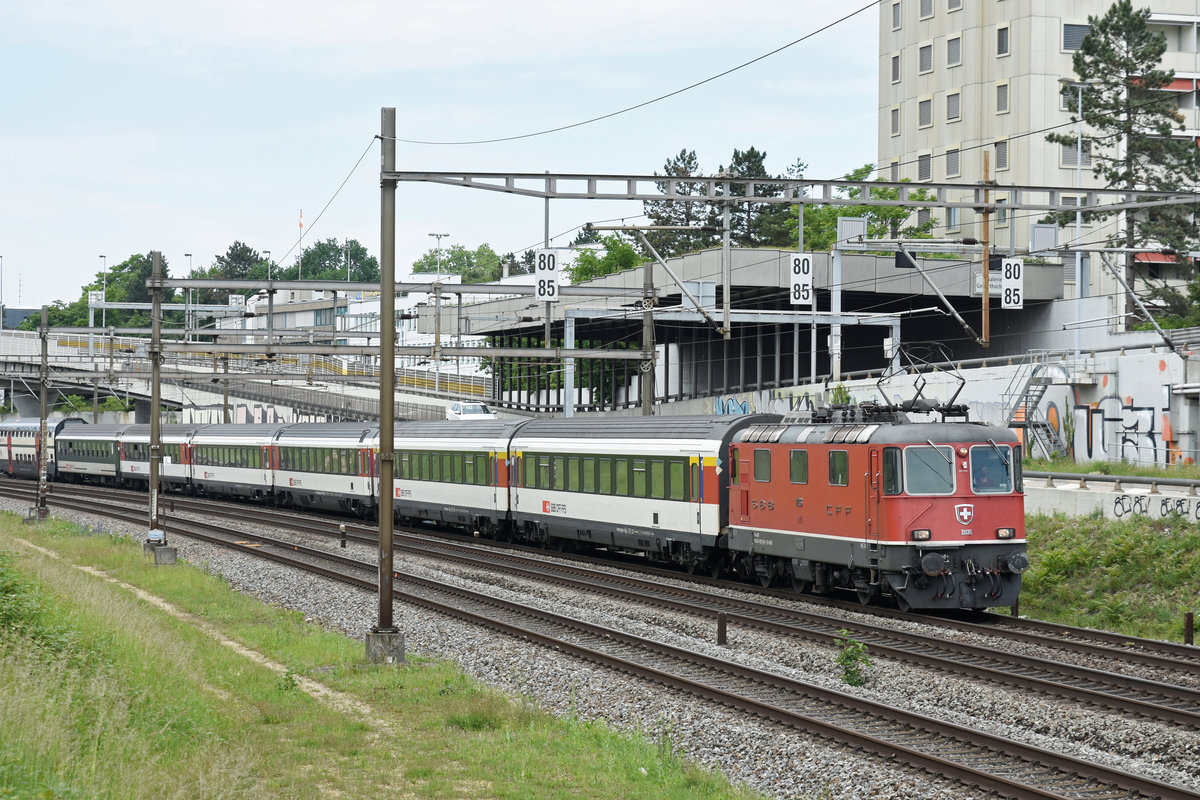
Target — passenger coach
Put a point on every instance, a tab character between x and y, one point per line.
654	485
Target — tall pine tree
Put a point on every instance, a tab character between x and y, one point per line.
1131	126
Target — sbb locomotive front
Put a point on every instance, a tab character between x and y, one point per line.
931	514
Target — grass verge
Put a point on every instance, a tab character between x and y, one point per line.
104	695
1136	577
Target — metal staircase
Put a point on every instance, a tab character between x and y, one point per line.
1022	402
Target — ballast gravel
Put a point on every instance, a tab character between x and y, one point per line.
776	761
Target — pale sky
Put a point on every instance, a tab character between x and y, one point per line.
138	125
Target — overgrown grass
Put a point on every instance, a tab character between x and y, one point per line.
1136	576
103	695
1186	471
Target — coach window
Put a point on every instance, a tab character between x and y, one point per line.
676	483
798	466
560	472
605	476
839	468
483	470
658	479
762	465
589	474
543	476
573	474
892	483
426	466
621	476
929	470
639	478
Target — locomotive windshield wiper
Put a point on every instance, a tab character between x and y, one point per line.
996	447
938	450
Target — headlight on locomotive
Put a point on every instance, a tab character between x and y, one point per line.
1016	563
921	535
1006	533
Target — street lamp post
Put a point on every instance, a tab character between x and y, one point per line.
437	315
103	291
439	237
1079	282
187	313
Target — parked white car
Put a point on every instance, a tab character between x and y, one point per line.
469	410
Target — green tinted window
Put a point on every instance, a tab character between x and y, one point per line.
605	476
658	479
839	468
676	482
762	465
798	466
589	474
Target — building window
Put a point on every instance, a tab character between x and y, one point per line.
1001	155
1071	155
895	171
925	113
895	16
953	5
1073	36
926	8
953	52
1001	212
1001	98
953	107
1002	41
952	223
895	69
896	121
925	58
923	217
924	167
952	166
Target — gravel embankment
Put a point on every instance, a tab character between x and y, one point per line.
773	760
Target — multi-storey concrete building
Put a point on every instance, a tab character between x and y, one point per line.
963	79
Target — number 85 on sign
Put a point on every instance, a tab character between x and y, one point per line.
802	278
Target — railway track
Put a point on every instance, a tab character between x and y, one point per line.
976	759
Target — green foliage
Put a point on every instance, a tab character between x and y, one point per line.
853	658
820	221
1133	576
1131	131
840	396
618	255
480	265
122	283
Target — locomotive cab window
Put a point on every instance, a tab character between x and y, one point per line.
839	468
929	470
762	465
892	471
991	469
798	466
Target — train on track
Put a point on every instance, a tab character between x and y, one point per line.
856	499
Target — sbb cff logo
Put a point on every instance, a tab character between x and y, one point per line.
545	506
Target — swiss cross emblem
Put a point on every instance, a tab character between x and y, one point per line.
965	513
545	506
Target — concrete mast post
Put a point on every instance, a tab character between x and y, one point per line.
40	510
385	643
156	536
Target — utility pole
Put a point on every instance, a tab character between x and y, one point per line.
42	511
985	339
646	367
384	641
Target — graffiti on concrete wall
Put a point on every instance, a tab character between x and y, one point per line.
1145	505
